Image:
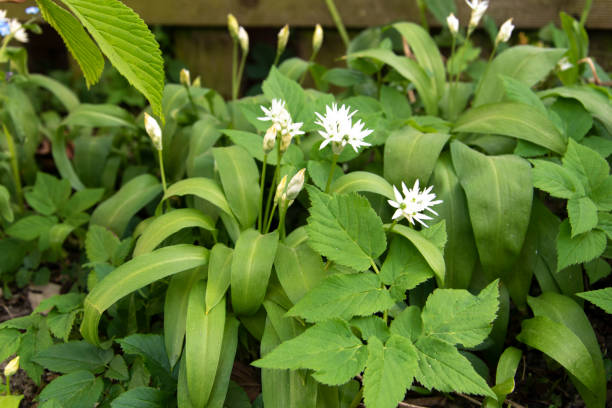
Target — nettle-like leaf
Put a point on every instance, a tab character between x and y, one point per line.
404	268
580	248
344	296
345	229
587	165
556	180
582	213
600	297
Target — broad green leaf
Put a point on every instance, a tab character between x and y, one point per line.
458	317
294	68
31	227
128	44
61	160
395	103
203	188
410	70
167	224
517	91
219	274
344	296
600	297
100	244
253	143
404	268
10	340
6	211
226	363
329	348
75	390
345	229
587	165
48	194
605	224
361	181
82	48
240	179
581	248
556	180
11	401
90	154
140	397
60	324
499	194
371	326
504	376
150	347
390	369
299	269
527	64
251	267
582	213
278	86
134	275
117	369
602	195
575	120
515	120
203	341
411	155
597	269
204	135
89	115
81	201
116	212
61	91
74	356
175	311
344	77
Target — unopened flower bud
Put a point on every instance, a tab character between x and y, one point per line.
453	24
283	38
280	190
286	139
232	26
317	39
197	83
479	7
295	185
185	77
12	367
243	38
269	140
505	32
337	148
153	130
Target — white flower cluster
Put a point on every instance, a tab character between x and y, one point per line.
282	125
339	129
414	203
479	7
12	26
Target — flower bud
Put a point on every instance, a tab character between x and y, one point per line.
280	190
232	26
286	139
295	185
505	32
283	38
153	130
269	140
453	24
243	38
317	39
197	83
479	7
185	77
12	367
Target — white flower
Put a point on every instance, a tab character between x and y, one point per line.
2	15
339	130
413	203
453	24
317	39
281	194
12	367
281	122
185	77
295	185
283	38
479	7
153	130
17	30
564	64
243	38
505	32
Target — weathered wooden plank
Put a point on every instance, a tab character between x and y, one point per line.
355	13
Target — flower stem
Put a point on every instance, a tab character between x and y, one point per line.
240	72
392	226
261	196
281	222
234	70
161	168
8	385
10	142
272	189
374	266
338	21
331	173
269	223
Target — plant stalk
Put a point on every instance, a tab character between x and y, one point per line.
585	12
331	173
272	189
338	21
161	168
10	142
261	196
234	70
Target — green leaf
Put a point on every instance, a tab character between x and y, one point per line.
361	181
600	297
6	211
458	317
61	160
499	194
527	64
81	201
226	363
75	390
343	296
587	165
61	91
581	248
251	268
294	68
404	268
117	369
203	188
556	180
100	244
203	343
82	48
575	119
74	356
140	397
10	340
134	275
219	274
128	44
116	212
240	179
279	86
60	324
49	194
299	269
517	91
169	223
390	369
151	348
11	401
582	213
31	227
411	155
89	115
329	348
515	120
602	195
371	326
395	104
345	229
91	154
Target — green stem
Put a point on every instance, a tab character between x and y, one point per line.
261	196
161	168
190	97
357	399
311	59
276	58
269	223
234	70
338	21
452	85
281	222
423	13
240	72
331	173
8	385
390	230
374	266
585	12
275	180
10	142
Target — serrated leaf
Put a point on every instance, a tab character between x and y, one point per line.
31	227
344	296
390	369
578	249
74	356
458	317
582	213
128	44
117	369
602	195
601	298
575	119
587	164
330	348
140	397
9	342
60	324
151	348
556	180
100	244
345	229
404	268
371	326
81	201
75	390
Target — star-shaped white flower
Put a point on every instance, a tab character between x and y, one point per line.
479	7
17	30
281	119
413	204
339	130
